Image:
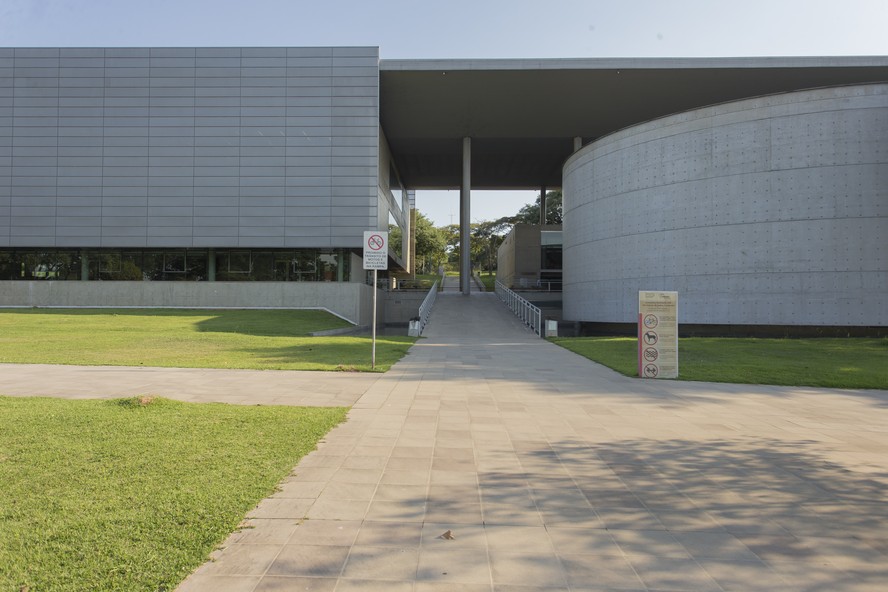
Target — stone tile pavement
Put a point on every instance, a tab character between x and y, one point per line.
240	387
553	473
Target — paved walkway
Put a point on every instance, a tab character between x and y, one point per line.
242	387
450	283
553	473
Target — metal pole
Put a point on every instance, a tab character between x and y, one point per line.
373	353
465	250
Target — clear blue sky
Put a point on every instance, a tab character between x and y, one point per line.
464	29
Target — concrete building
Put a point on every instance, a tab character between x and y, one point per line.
530	256
250	175
224	165
767	211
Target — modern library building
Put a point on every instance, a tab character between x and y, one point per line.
217	177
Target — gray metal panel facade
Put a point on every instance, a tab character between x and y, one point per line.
766	211
193	147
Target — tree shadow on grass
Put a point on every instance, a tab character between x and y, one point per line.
266	323
271	323
333	353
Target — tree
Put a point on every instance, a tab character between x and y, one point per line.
431	245
454	243
394	239
452	239
487	236
530	214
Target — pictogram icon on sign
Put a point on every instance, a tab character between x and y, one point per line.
375	249
375	242
657	346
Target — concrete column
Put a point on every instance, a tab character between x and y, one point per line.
578	143
465	197
211	265
542	205
411	244
84	267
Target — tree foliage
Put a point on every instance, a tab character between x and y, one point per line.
530	214
488	235
431	245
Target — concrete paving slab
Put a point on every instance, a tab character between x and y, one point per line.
550	472
239	387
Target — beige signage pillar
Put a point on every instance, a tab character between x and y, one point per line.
658	334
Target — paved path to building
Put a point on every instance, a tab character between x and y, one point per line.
553	473
450	283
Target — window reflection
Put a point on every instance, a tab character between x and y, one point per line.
287	265
39	265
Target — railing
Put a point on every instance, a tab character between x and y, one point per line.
425	309
541	285
531	315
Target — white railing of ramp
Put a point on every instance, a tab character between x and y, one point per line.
425	309
531	315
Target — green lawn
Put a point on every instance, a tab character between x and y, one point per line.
429	278
257	339
133	495
837	363
422	281
489	281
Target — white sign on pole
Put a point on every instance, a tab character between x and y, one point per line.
376	249
375	257
658	334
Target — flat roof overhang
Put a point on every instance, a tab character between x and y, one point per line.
522	115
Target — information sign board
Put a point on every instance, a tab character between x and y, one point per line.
375	249
658	334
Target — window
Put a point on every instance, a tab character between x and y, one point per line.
305	265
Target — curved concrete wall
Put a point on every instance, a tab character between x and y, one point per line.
767	211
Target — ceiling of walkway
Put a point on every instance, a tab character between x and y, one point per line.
522	115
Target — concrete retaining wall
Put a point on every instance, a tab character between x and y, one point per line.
352	301
768	211
403	305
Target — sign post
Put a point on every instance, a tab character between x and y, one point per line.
658	334
375	258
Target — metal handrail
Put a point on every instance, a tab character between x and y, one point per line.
425	309
531	315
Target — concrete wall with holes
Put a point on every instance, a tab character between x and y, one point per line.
768	211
